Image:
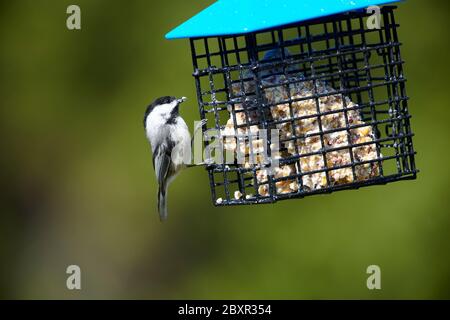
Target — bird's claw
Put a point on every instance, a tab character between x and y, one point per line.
200	124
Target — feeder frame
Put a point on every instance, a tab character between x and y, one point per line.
360	63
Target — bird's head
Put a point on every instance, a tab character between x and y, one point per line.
164	107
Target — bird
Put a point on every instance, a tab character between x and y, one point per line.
272	64
170	143
277	56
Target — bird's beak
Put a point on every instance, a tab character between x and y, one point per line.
182	99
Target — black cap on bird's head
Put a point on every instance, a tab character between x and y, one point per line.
165	100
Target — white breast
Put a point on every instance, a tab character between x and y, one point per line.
156	124
158	131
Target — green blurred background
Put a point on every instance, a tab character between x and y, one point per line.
78	187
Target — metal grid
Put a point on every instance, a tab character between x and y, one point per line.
361	66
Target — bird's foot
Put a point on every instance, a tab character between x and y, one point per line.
199	125
206	162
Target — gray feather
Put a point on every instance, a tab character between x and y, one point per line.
162	204
162	163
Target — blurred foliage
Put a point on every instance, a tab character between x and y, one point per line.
78	186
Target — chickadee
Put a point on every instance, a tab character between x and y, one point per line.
170	141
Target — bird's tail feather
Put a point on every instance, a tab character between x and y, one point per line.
162	205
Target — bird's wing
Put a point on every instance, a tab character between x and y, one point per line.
162	161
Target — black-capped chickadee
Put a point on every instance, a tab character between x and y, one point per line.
170	141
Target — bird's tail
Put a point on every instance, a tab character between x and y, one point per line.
162	205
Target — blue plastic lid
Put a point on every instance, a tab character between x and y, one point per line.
229	17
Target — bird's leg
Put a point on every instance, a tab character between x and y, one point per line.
194	165
207	162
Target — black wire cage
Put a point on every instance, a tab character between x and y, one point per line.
333	88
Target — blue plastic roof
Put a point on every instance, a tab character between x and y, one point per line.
227	17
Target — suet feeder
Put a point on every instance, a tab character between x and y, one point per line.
331	83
